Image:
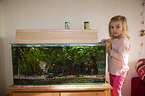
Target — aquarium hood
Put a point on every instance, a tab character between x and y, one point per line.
56	36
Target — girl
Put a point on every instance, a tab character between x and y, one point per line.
118	54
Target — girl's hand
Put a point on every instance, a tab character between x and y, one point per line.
104	40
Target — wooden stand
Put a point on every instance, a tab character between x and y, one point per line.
60	90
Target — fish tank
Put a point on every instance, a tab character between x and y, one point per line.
57	64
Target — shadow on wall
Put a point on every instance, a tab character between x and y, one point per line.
2	69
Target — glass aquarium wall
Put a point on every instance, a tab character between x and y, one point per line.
54	64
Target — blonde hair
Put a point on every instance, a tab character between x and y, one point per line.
124	25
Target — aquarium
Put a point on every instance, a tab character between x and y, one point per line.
56	64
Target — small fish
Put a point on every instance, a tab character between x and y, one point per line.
42	65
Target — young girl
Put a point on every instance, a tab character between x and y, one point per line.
118	53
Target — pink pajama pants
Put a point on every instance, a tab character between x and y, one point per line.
116	82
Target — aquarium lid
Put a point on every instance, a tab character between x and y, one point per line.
56	36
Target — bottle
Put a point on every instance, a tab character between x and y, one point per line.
87	25
67	25
109	45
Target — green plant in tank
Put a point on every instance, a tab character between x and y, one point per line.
52	55
81	56
65	59
28	60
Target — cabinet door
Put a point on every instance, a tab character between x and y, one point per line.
101	93
35	94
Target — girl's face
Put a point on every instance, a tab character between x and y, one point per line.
116	28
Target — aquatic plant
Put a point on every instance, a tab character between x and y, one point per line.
59	59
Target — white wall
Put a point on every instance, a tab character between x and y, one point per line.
51	14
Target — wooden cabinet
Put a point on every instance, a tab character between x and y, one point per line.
101	93
34	94
60	90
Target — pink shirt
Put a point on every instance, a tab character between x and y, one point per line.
118	59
